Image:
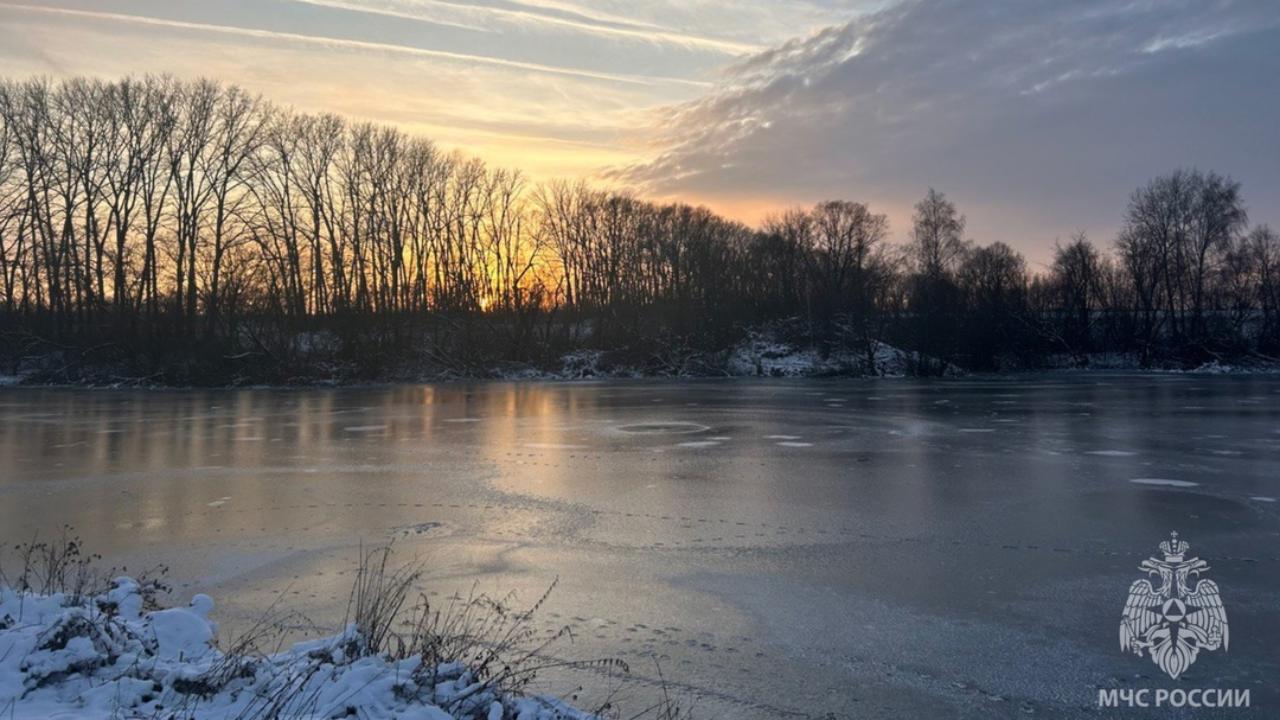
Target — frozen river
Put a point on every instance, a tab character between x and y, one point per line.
855	548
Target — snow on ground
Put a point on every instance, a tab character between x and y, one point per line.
1134	362
763	354
105	657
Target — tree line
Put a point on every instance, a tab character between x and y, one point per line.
156	221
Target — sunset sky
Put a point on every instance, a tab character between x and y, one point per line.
1037	116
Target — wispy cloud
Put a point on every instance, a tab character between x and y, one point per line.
389	10
350	44
445	12
550	124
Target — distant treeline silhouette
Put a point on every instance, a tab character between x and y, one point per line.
196	232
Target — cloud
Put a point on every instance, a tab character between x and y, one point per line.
338	43
548	124
474	17
1038	115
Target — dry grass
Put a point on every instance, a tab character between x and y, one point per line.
378	597
60	565
494	639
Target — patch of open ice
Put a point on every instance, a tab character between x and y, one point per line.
416	529
1164	481
219	502
700	444
793	444
663	427
1112	453
781	437
1263	498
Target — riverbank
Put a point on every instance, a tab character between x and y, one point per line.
74	644
758	355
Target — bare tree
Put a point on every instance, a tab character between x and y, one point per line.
157	211
993	280
1076	286
938	234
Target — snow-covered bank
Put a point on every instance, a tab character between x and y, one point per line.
766	355
1132	362
785	348
106	656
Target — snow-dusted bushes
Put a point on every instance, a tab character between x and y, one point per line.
784	349
109	652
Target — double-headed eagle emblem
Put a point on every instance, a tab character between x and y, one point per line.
1175	621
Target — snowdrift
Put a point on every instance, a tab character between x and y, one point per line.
105	656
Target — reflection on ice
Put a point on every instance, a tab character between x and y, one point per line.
847	530
1164	481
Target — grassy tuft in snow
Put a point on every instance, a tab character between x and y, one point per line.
72	645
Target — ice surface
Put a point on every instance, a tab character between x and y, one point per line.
897	568
1164	481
